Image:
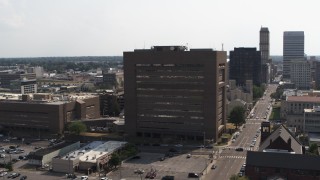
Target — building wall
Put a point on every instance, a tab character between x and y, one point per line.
293	112
312	120
46	117
300	74
258	173
48	157
175	93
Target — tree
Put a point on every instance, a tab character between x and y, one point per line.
237	116
114	160
313	149
77	127
258	91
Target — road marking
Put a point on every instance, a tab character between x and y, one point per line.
234	157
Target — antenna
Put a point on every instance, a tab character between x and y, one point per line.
222	46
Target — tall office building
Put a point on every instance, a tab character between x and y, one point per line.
293	49
172	93
264	45
245	64
265	54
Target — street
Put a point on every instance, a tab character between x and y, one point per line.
229	161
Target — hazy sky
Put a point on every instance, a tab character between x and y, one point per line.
32	28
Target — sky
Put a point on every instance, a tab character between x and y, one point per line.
38	28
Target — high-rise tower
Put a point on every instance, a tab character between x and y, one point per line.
264	45
293	49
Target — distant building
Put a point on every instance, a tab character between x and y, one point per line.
293	49
6	78
300	74
317	74
113	80
245	64
311	122
265	54
173	93
29	86
264	45
239	95
43	114
292	109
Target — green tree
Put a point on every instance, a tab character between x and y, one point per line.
77	127
258	91
114	160
9	166
237	116
313	149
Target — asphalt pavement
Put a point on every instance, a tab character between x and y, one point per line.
229	160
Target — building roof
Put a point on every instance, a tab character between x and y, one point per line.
283	133
42	152
303	99
279	160
94	150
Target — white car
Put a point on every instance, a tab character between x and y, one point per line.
84	177
105	178
3	174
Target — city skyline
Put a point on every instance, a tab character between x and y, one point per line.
36	28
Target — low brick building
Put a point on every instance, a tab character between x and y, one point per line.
45	113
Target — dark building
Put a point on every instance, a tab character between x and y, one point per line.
269	165
174	93
245	64
316	65
109	104
6	78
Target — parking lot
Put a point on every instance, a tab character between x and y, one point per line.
178	166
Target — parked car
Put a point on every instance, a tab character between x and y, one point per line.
193	175
23	177
84	177
213	167
3	174
168	178
239	149
104	178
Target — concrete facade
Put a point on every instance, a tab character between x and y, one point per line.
292	109
312	120
300	74
174	93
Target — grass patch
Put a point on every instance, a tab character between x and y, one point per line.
275	115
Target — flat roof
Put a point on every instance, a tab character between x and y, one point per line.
55	99
303	99
94	150
41	152
283	160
